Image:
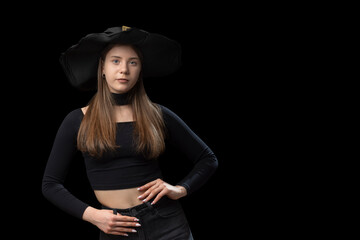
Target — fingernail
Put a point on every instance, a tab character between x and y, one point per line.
133	230
126	235
139	196
152	203
138	188
138	225
144	200
136	220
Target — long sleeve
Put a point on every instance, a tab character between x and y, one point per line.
185	140
61	155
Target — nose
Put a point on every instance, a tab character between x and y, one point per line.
124	69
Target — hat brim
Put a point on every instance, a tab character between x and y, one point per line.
161	55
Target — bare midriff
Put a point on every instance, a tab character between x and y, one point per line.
124	198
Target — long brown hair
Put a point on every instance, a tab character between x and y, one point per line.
97	133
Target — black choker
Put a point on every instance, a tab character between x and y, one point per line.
120	98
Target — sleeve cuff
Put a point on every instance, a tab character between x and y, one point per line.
187	187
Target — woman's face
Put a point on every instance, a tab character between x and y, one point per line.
122	68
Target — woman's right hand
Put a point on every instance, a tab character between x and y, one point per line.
110	223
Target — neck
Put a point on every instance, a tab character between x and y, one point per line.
120	98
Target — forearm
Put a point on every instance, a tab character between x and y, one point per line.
200	173
63	199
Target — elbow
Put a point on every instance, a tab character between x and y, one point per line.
44	188
214	163
210	159
47	187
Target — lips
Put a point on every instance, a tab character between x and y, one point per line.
122	80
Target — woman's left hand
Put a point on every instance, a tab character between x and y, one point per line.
159	188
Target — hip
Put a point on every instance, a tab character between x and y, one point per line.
164	220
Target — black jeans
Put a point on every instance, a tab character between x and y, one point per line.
164	220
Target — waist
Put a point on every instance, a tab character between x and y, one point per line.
120	199
164	207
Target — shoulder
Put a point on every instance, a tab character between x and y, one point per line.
170	117
70	123
167	113
178	131
75	114
73	118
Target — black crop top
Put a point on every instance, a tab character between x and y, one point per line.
124	168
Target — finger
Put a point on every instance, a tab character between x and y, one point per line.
154	193
123	230
149	191
146	186
122	218
160	195
126	224
118	233
150	187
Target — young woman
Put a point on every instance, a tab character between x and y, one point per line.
121	134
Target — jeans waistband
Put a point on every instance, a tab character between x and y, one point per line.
131	211
140	208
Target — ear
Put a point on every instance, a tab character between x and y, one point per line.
102	67
102	64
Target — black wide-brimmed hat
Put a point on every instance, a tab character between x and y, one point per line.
161	55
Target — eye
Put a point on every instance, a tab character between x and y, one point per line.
116	61
134	63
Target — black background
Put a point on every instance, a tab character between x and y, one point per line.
260	84
220	92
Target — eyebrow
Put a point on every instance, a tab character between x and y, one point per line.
121	57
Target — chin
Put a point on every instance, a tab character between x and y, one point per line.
119	89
